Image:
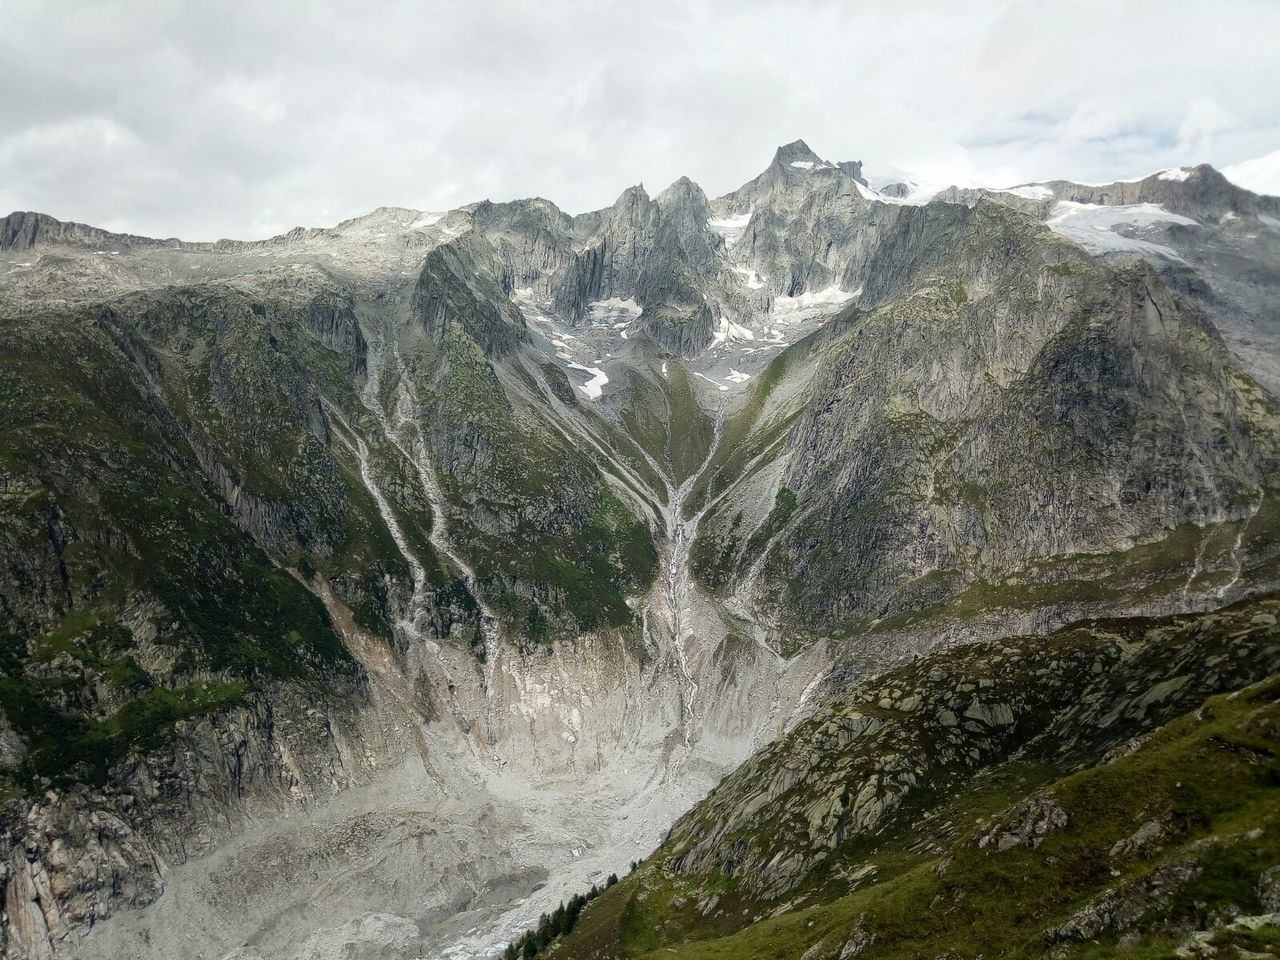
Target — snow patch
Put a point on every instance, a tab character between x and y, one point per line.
737	376
1105	217
424	221
919	194
803	164
1175	173
1030	191
831	297
731	228
604	311
593	388
919	191
729	331
1093	226
718	386
750	279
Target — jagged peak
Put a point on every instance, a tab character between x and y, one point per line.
631	194
796	150
682	189
854	169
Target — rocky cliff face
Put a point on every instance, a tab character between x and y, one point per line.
996	411
430	565
1210	240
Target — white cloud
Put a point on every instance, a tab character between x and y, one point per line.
1261	174
242	119
1203	125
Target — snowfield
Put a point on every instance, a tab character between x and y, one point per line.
1094	226
731	228
593	388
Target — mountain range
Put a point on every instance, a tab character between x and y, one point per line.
838	554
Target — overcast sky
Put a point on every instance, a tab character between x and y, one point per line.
213	119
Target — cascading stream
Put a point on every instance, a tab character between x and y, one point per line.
353	442
681	533
1237	547
405	414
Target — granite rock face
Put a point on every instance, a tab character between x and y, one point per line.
315	546
1211	241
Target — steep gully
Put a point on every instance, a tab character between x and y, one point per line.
400	427
647	785
680	535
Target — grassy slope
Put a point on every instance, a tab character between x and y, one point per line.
1210	778
554	548
103	486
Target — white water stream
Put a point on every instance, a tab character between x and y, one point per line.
680	536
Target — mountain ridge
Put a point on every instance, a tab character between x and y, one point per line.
431	565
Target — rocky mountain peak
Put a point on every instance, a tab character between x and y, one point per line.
797	151
854	169
26	229
685	196
631	195
322	524
789	172
20	229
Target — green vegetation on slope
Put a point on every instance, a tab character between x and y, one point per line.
130	598
554	548
1117	813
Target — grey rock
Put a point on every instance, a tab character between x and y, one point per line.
1026	825
1269	889
375	936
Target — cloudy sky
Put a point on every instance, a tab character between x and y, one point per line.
205	120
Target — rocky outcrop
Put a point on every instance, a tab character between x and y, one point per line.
851	770
1119	909
80	855
454	288
1027	824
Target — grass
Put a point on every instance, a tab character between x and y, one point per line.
1210	776
118	503
566	553
665	419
